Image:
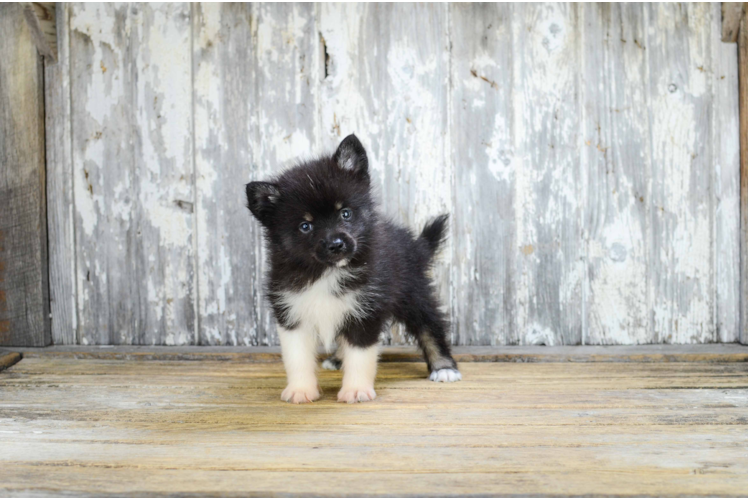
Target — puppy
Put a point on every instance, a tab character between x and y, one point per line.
339	272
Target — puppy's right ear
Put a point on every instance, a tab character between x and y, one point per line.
351	156
262	198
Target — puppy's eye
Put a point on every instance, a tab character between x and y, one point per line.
305	227
346	213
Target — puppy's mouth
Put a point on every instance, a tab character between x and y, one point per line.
334	260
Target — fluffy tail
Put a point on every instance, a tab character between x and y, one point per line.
434	233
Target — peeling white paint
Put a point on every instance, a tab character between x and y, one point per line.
569	143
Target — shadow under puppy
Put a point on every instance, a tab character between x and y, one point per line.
339	272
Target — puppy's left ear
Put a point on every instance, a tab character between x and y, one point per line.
262	198
351	156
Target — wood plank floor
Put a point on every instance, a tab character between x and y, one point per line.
133	427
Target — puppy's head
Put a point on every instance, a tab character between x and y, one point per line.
319	212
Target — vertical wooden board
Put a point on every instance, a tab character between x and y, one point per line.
418	176
682	208
103	158
743	99
549	189
131	79
484	159
387	80
224	101
353	81
24	306
726	168
616	164
60	208
254	94
286	83
161	47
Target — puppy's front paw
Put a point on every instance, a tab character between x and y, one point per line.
445	375
356	394
298	395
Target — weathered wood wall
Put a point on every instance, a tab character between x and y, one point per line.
24	310
588	155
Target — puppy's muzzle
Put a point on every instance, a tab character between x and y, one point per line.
335	247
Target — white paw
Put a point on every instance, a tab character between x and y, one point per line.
445	375
297	395
356	395
329	365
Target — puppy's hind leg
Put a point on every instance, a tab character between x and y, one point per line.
431	333
335	360
441	364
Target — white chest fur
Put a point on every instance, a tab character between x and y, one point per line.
321	307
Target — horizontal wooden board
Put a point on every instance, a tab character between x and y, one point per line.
710	353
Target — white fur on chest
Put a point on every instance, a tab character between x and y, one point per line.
320	307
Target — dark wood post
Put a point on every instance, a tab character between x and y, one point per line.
24	304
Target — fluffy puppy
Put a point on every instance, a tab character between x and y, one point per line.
339	272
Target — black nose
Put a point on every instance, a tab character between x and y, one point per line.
336	245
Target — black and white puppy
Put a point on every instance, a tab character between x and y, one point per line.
339	272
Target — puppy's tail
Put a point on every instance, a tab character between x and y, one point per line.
434	234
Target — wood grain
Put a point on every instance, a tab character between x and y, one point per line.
681	216
616	160
387	80
743	99
225	107
103	158
24	302
732	13
662	353
253	115
132	156
550	195
40	19
60	199
726	139
8	359
588	155
74	427
485	246
162	182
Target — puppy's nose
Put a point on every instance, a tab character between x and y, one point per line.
336	245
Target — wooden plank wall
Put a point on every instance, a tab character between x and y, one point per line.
24	303
588	155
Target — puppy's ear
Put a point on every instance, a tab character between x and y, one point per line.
351	156
262	198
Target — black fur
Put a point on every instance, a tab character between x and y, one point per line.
391	266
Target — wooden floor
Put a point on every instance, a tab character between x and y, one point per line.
205	427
